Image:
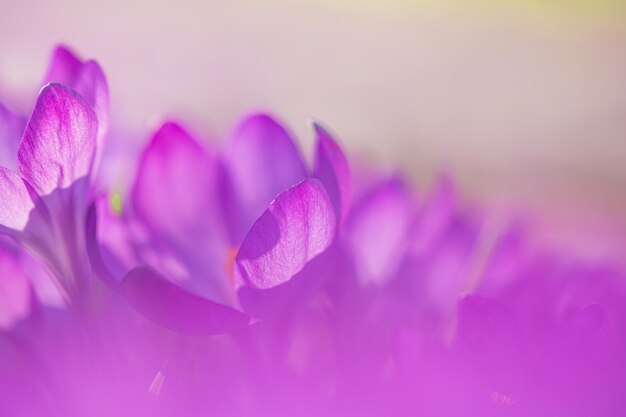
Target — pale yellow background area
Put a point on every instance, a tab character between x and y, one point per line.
524	102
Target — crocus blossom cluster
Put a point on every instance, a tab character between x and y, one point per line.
237	279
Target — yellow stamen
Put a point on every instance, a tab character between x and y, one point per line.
231	254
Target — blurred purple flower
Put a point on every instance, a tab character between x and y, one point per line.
228	233
240	282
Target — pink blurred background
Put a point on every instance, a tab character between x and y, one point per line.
524	104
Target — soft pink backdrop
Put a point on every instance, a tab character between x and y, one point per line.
525	107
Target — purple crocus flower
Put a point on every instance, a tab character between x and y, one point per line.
45	201
55	157
233	235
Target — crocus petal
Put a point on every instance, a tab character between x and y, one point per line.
85	77
92	85
168	305
15	294
272	302
174	192
332	169
264	162
89	80
92	246
435	216
378	229
44	286
11	128
59	142
64	66
15	201
298	225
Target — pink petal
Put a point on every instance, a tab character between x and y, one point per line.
264	162
64	66
15	293
275	301
86	77
176	186
435	216
332	169
168	305
92	244
92	85
60	140
15	201
11	128
89	80
298	225
378	229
